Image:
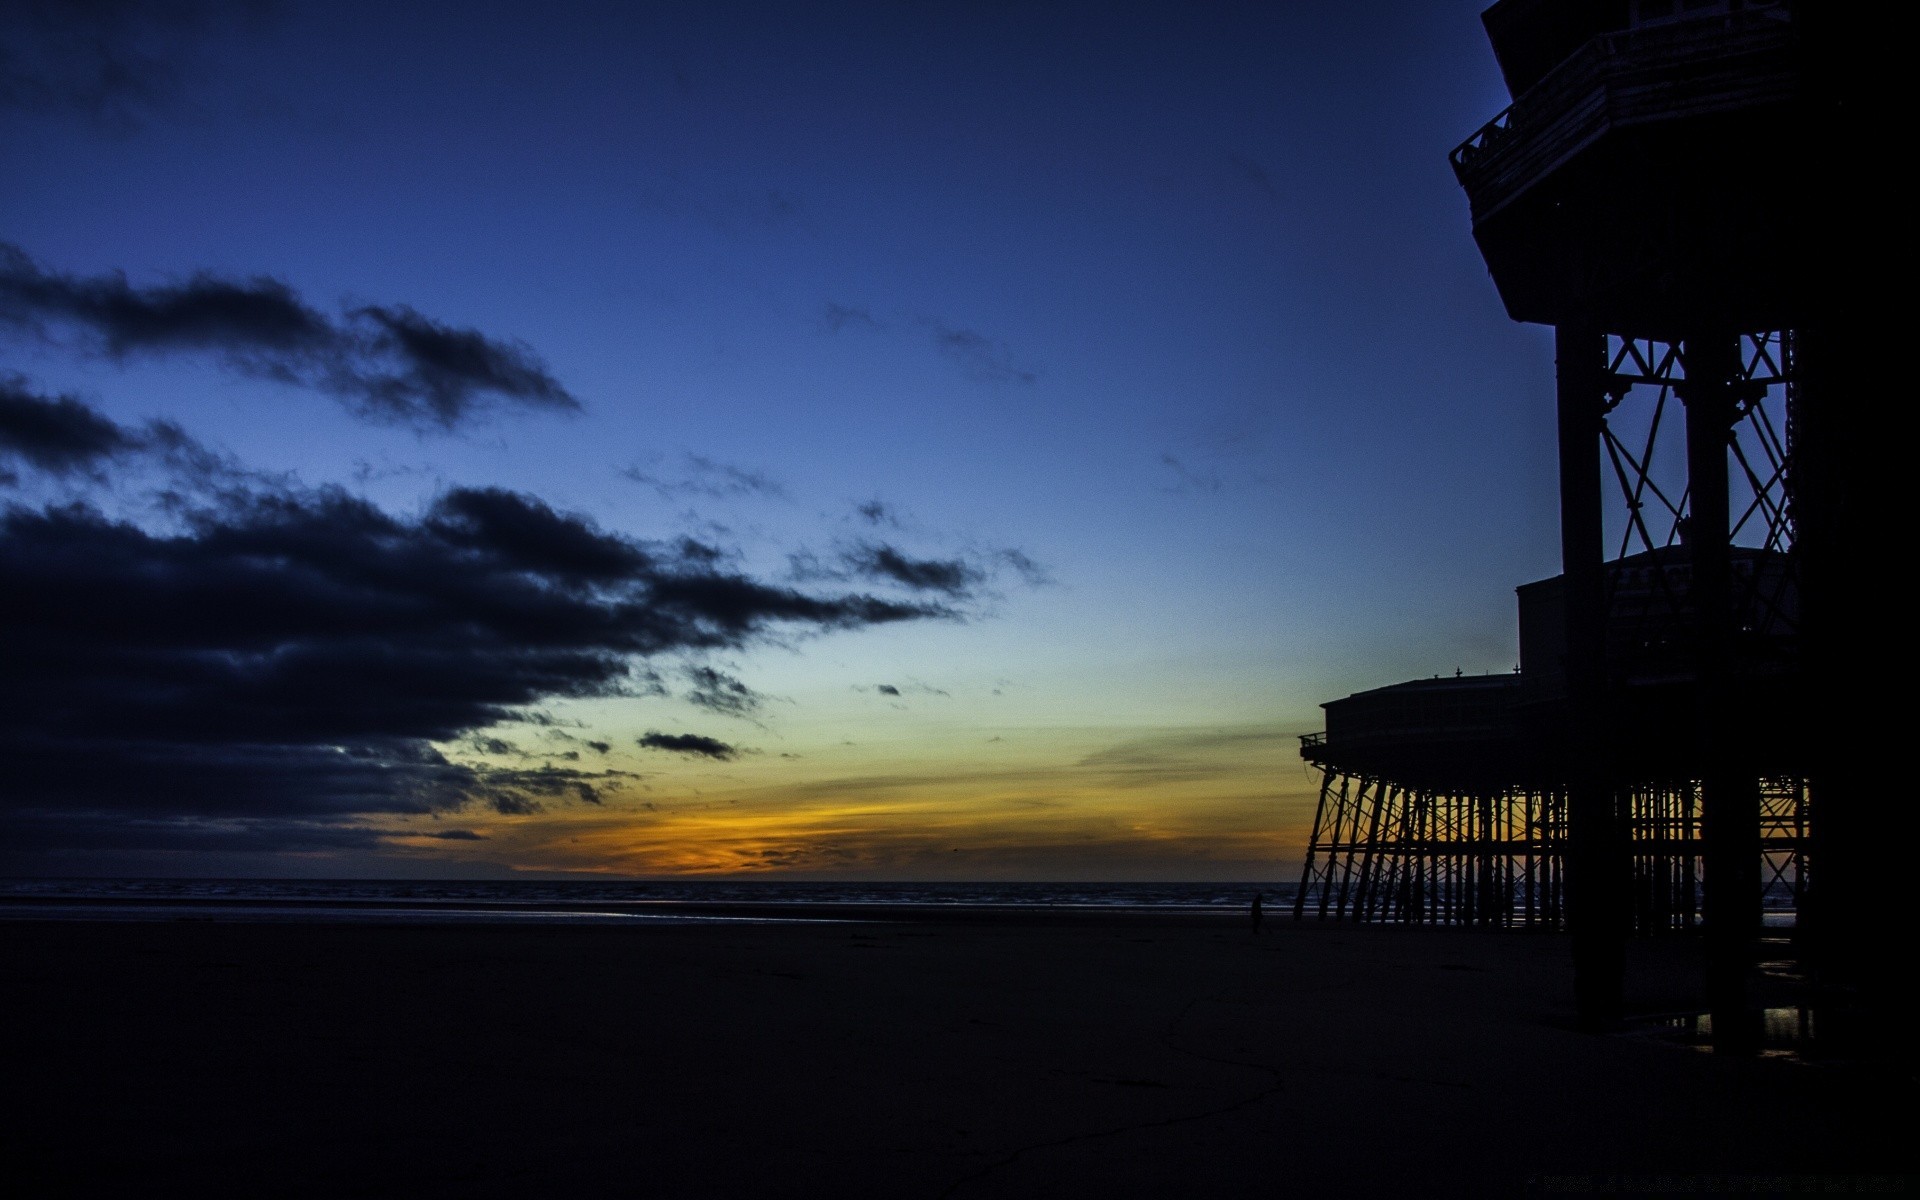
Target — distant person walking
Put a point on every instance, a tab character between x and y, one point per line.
1254	913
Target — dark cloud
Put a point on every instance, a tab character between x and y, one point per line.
899	691
958	577
600	747
952	576
116	63
294	656
1031	573
92	836
566	549
804	566
515	792
719	692
386	363
693	744
417	369
447	835
978	356
58	435
710	479
63	436
873	512
259	316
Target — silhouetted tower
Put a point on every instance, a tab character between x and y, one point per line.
1643	195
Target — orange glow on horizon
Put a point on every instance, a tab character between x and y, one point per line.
1147	809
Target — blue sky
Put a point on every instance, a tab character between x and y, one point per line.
1177	304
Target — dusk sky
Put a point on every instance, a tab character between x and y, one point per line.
900	441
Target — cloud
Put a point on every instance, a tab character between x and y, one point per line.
692	744
835	317
57	435
517	792
444	835
874	512
710	479
286	655
23	836
115	63
978	356
554	725
958	577
952	576
387	363
63	436
901	691
719	692
420	370
1030	572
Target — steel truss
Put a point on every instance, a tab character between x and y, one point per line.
1385	849
1382	851
1646	456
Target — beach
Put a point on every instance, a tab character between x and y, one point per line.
1104	1055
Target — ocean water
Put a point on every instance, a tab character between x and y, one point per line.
594	901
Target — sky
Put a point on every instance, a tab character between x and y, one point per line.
892	441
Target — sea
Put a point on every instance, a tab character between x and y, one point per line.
600	902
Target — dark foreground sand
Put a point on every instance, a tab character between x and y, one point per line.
1106	1059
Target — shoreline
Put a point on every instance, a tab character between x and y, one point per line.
943	1058
107	908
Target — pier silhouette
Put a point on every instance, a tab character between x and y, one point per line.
1665	192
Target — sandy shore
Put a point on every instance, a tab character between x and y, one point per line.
900	1059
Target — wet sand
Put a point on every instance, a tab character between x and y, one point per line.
1100	1057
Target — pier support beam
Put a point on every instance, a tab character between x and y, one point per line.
1730	793
1597	864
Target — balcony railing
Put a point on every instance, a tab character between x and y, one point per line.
1640	76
